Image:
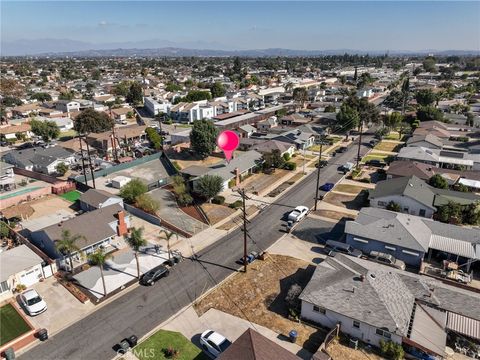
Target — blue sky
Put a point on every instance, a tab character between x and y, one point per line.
392	25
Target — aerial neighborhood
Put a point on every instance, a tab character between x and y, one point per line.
343	223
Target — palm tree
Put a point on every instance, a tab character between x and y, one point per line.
168	236
99	258
136	241
67	245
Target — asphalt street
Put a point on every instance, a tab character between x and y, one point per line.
142	309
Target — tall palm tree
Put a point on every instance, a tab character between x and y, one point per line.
99	258
136	241
67	245
168	236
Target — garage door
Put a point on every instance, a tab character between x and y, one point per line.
30	277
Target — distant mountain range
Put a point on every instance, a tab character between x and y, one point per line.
156	47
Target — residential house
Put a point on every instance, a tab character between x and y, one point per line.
245	131
415	196
48	112
429	141
301	139
154	107
267	147
121	114
10	132
98	228
441	158
267	124
67	105
94	199
252	345
232	173
7	177
409	238
64	123
19	265
294	120
103	142
185	112
372	302
39	159
104	98
25	110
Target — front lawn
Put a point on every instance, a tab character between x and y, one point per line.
12	324
388	146
377	156
160	341
71	196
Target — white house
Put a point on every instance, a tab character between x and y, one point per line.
154	107
44	160
96	199
67	105
19	265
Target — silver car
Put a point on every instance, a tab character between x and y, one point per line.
386	259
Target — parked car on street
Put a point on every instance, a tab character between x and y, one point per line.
298	213
327	186
32	302
342	149
332	247
214	343
323	163
376	163
155	274
386	259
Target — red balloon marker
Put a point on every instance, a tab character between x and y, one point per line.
228	142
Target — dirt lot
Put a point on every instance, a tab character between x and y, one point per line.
260	182
347	188
185	159
353	202
216	213
258	296
284	186
237	220
339	351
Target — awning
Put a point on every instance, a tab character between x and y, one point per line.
450	160
470	183
429	331
453	246
463	325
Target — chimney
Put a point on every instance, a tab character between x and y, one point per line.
362	277
237	177
122	225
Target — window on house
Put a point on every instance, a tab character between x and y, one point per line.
383	333
3	287
318	309
422	212
405	209
356	324
381	203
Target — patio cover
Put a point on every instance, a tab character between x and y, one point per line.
463	325
454	246
428	331
470	183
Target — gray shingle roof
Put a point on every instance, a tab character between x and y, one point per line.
94	197
36	155
243	162
413	187
17	259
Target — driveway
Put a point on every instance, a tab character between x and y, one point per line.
63	308
190	325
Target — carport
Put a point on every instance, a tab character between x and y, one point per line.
460	248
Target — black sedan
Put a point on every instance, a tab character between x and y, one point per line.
150	277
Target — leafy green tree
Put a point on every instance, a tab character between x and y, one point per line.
98	258
449	211
348	118
273	160
197	95
393	120
61	168
394	100
405	94
237	66
122	88
330	109
11	101
173	87
208	186
471	214
47	130
129	192
136	241
66	95
41	96
168	236
67	245
427	113
135	93
300	95
4	230
203	138
438	181
154	138
91	121
218	90
425	97
429	65
147	203
393	206
470	119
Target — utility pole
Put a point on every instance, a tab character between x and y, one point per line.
359	142
90	161
318	173
83	160
245	233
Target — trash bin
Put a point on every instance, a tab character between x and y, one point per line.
293	336
177	258
353	343
132	340
9	353
42	334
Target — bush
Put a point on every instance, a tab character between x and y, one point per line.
231	183
132	190
219	200
365	180
184	199
154	138
235	205
391	350
176	165
147	204
290	165
286	156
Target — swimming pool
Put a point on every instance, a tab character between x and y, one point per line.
19	192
